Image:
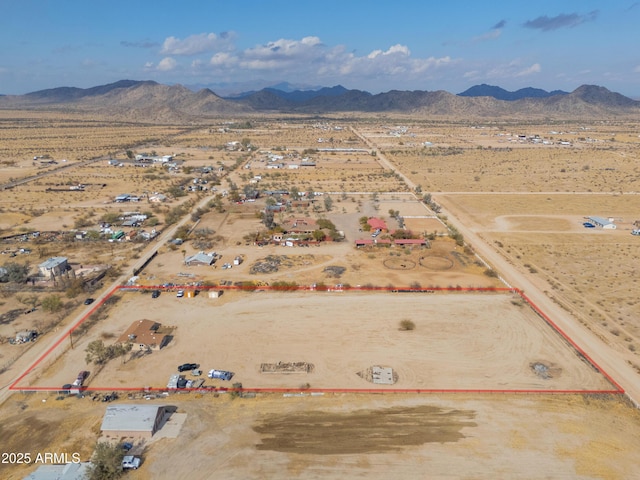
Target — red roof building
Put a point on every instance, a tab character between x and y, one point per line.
377	224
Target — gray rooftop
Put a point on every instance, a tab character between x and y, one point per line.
200	257
600	220
53	262
68	471
136	418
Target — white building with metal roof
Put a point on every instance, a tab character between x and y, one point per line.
132	420
67	471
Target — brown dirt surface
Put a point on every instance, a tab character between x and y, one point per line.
521	204
461	341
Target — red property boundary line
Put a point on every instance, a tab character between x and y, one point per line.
336	288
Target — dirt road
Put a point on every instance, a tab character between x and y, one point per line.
604	356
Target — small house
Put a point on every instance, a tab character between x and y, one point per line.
133	420
144	333
607	224
158	198
199	258
54	266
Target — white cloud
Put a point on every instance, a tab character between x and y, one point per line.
167	64
491	35
637	69
535	68
394	50
223	59
305	59
282	51
195	44
513	69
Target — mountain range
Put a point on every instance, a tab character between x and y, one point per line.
150	101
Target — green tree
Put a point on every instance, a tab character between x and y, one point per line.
15	272
318	235
267	219
97	352
328	203
106	463
52	304
130	155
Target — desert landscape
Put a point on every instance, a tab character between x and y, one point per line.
302	254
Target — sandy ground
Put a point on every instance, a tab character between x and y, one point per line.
461	341
391	436
358	436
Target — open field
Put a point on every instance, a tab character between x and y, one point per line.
516	194
600	158
590	271
69	137
461	436
460	341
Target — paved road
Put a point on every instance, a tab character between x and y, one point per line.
605	356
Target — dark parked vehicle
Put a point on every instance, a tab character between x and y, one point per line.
155	294
82	376
89	301
187	366
110	397
588	225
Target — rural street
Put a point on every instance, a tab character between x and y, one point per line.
43	345
605	356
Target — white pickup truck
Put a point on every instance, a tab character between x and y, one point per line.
129	462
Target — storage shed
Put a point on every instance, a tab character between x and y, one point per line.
66	471
130	420
603	222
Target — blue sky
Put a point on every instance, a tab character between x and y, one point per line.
237	45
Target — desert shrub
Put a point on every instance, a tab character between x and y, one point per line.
407	325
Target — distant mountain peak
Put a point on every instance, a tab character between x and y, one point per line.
500	93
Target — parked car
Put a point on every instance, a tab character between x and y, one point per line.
155	294
180	294
126	446
82	376
187	366
221	374
129	462
183	382
196	372
89	301
588	225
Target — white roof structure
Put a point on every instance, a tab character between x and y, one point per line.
201	258
131	418
67	471
602	222
53	262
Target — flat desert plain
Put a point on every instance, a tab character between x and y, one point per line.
532	437
460	341
475	341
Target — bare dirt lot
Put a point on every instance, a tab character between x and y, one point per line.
460	341
589	270
394	436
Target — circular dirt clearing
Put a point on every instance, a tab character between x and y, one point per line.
436	263
399	263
